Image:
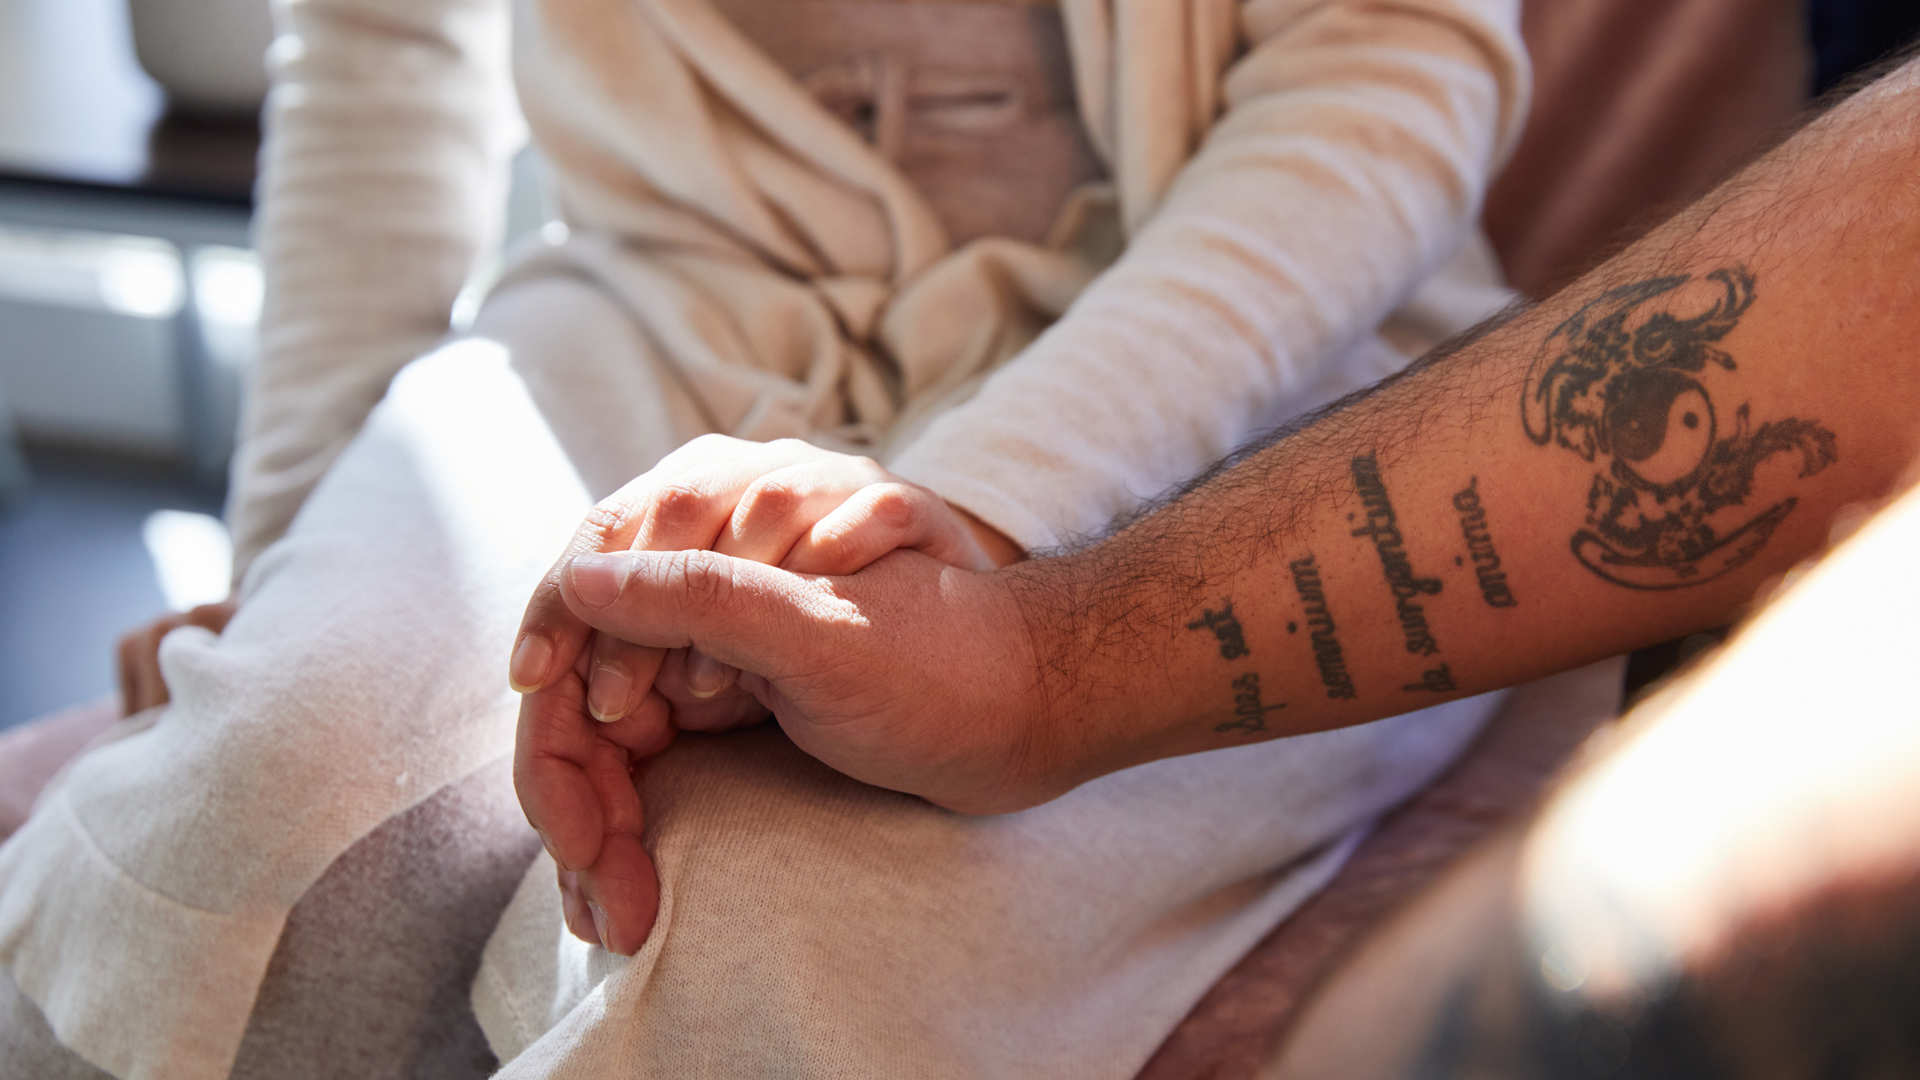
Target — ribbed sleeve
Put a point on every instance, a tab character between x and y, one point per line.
388	130
1355	146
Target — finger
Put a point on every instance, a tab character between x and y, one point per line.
683	502
622	894
776	510
151	683
552	753
214	617
573	908
881	518
747	614
645	731
126	671
722	710
619	677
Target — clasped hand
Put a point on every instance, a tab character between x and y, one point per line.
703	596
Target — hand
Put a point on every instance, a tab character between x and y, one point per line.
783	502
138	654
910	675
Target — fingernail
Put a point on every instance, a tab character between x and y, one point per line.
529	663
551	851
607	692
705	675
600	924
596	579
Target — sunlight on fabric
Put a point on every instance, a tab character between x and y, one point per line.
192	556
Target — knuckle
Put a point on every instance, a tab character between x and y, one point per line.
705	582
769	499
896	507
677	505
607	518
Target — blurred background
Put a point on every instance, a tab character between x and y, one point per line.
129	294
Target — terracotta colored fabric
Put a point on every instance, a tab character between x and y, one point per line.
1640	106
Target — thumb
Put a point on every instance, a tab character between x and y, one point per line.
738	611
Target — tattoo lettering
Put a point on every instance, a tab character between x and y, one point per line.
1486	560
1327	654
1226	627
1437	680
1249	712
1383	530
1628	383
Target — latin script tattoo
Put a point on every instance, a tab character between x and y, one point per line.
1249	711
1486	560
1225	627
1383	529
1327	654
1628	382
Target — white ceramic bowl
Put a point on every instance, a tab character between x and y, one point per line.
206	54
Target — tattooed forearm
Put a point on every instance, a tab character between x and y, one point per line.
1629	382
1327	654
1226	628
1249	711
1438	680
1486	559
1383	529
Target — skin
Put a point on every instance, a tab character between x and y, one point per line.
1192	627
597	706
1719	894
137	656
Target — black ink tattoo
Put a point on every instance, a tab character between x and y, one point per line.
1225	627
1486	559
1625	382
1327	654
1249	712
1437	680
1383	530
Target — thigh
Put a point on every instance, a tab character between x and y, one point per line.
363	674
370	977
365	668
811	926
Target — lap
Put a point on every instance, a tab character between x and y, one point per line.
809	924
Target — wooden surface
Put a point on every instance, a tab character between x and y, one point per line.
78	114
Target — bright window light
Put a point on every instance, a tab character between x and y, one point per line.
226	285
192	556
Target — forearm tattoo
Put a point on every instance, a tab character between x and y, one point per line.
1226	628
1486	558
1327	654
1630	383
1382	528
1250	708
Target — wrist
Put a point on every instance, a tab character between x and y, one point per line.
997	545
1072	715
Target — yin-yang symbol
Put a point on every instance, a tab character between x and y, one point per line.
1660	425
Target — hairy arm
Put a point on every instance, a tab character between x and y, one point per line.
1619	465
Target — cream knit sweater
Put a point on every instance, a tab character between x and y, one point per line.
1286	172
1290	177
